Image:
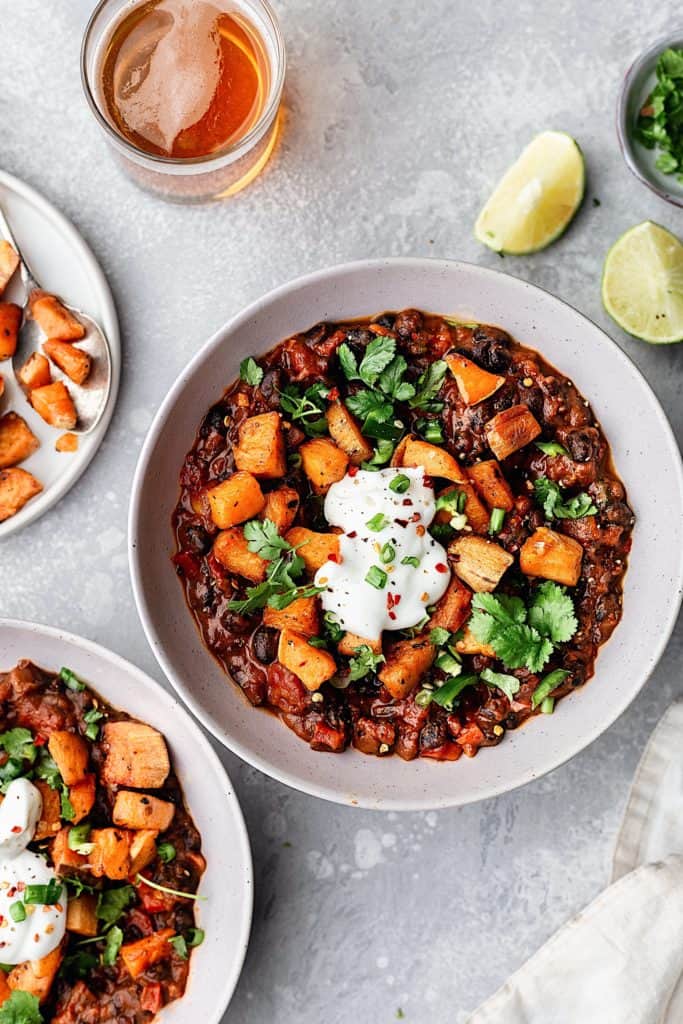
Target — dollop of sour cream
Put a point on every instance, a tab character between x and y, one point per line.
44	925
385	540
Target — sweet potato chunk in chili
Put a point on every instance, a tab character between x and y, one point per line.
54	403
35	373
345	431
17	486
453	608
73	361
407	662
468	644
9	261
110	856
281	507
435	461
314	548
140	810
323	462
231	549
136	755
138	956
49	822
70	753
552	556
143	849
474	384
261	447
302	615
235	500
17	440
10	322
81	915
488	479
82	796
511	429
36	976
64	859
479	563
310	664
349	644
53	318
478	517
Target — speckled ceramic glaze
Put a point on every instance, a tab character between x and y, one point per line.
225	912
644	451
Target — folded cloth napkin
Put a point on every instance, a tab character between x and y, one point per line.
620	961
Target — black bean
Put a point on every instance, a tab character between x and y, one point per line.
490	348
197	539
583	444
264	643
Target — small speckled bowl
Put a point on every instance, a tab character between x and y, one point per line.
638	83
644	451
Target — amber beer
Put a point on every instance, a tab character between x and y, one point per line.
189	90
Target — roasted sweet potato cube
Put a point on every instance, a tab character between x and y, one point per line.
81	915
302	615
17	440
138	956
454	607
63	858
489	481
478	516
281	507
261	447
54	403
70	753
468	644
140	810
67	443
2	391
314	548
36	976
49	822
406	664
478	562
346	433
235	500
350	642
323	463
231	549
510	430
435	461
53	318
10	322
17	486
474	384
143	849
136	756
552	556
74	362
9	261
110	856
310	664
82	796
35	373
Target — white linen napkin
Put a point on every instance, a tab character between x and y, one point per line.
620	961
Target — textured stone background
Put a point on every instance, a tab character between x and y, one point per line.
400	117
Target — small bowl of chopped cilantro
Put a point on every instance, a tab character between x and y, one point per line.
650	118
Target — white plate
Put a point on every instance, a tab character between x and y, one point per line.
225	914
63	264
645	453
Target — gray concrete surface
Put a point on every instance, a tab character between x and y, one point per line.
400	117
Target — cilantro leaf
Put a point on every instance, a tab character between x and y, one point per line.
378	355
439	636
391	380
18	745
428	387
555	506
348	362
306	408
552	613
263	539
251	372
20	1008
508	684
500	621
112	945
79	964
113	903
364	662
180	946
370	403
660	124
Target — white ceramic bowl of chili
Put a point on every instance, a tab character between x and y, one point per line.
644	450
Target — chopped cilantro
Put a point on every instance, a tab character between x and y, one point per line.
428	387
332	627
70	680
20	1008
508	684
551	448
378	522
91	718
113	903
180	946
166	852
364	662
285	567
660	124
524	637
439	636
264	540
307	408
251	372
112	944
556	506
21	754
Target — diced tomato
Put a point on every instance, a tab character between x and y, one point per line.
471	734
327	738
446	752
151	998
285	691
39	741
153	901
186	565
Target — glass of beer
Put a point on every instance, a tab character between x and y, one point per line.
187	92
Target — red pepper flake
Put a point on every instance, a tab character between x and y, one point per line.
440	567
353	470
352	535
415	518
15	829
397	600
333	557
401	522
407	501
428	482
390	600
392	616
333	394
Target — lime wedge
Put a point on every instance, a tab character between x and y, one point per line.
642	283
537	197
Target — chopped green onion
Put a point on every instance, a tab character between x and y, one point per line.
376	577
400	484
112	945
448	663
171	892
71	680
446	694
180	946
547	685
548	706
551	448
496	521
78	839
439	636
91	718
378	522
433	433
387	554
195	937
411	560
317	641
166	852
46	895
294	459
17	911
424	698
